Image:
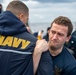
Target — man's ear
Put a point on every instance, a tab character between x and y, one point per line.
68	38
20	16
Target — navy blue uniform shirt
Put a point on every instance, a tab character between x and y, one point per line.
64	63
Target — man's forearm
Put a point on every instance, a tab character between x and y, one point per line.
41	46
36	59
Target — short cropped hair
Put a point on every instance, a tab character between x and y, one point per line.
64	21
17	7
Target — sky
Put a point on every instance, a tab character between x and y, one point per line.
41	11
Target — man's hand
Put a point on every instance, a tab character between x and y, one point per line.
41	46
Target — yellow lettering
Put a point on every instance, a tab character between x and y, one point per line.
25	44
16	42
8	41
1	39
